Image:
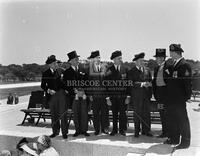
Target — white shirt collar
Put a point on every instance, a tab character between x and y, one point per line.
117	66
162	64
138	67
52	70
178	60
74	67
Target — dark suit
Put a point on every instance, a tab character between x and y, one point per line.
117	96
178	92
78	106
99	106
56	102
159	91
140	98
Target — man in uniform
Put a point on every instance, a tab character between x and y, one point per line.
97	96
141	93
76	94
159	87
117	94
178	92
52	85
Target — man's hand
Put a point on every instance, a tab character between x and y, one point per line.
84	97
109	103
127	100
91	98
146	84
160	106
51	91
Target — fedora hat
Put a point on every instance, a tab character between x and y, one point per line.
160	53
175	48
116	54
29	149
94	54
71	55
51	59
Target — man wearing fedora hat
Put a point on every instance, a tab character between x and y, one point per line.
76	94
159	87
53	87
178	92
141	93
97	96
117	94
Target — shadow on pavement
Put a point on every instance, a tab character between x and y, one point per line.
159	149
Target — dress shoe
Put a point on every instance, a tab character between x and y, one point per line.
136	135
122	133
162	135
147	134
76	134
171	142
53	135
96	133
105	131
65	136
86	134
182	146
113	133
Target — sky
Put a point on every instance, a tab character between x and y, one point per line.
31	30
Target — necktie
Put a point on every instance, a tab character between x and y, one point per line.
118	68
140	68
76	69
174	64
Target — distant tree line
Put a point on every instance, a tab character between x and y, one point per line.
33	72
25	72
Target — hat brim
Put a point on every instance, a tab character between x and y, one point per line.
114	57
51	61
74	58
160	56
136	58
29	150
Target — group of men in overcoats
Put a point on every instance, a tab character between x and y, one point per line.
170	84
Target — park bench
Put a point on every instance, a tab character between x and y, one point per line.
37	111
35	107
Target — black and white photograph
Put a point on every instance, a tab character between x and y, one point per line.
99	77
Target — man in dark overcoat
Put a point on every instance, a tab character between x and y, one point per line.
178	92
53	87
117	93
97	71
71	79
141	93
159	87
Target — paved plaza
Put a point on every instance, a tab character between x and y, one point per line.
11	131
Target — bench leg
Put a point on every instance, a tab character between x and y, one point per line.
40	115
24	118
44	119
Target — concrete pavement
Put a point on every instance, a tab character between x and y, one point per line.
11	131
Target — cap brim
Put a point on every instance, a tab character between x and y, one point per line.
29	150
159	56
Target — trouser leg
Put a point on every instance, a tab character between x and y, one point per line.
53	104
84	116
96	114
146	117
63	106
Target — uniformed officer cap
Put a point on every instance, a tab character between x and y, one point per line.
175	48
138	56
